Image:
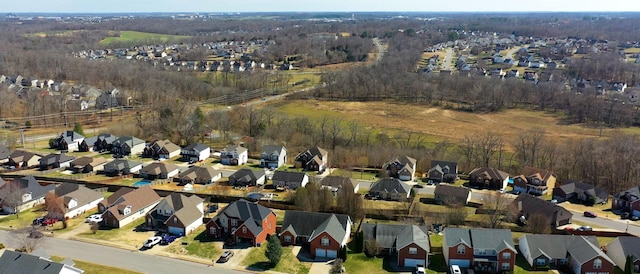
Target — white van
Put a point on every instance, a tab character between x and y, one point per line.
455	269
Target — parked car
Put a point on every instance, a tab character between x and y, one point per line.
590	214
420	269
38	221
49	221
152	241
95	218
634	218
225	256
625	215
455	269
167	239
585	228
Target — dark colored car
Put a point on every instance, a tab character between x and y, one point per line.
634	218
590	214
625	215
38	221
167	239
225	256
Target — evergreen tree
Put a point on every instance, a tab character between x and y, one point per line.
78	128
274	250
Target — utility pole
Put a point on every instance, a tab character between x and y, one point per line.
22	136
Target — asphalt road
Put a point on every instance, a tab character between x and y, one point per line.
446	64
133	260
613	223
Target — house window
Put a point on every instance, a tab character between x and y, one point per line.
175	220
234	222
597	264
506	266
506	256
324	241
540	262
636	268
244	229
461	249
413	250
212	231
562	261
287	239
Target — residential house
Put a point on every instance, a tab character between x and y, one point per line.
390	189
177	214
127	205
234	155
483	250
119	167
200	175
127	145
99	143
452	195
527	205
4	155
247	177
161	149
159	170
627	201
324	233
580	254
337	183
195	153
273	156
407	244
290	180
87	164
534	180
582	192
23	193
18	262
68	140
243	221
488	177
313	159
23	159
55	160
443	171
403	168
623	247
73	200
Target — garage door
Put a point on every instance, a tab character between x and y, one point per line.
636	213
332	254
413	262
460	263
176	230
321	252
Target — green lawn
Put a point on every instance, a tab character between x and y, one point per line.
123	234
23	219
288	262
360	263
141	37
198	245
91	268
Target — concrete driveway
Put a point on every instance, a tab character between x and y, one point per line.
240	252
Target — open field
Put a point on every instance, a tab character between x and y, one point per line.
140	37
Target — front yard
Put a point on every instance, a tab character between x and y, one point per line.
196	244
95	268
127	235
289	263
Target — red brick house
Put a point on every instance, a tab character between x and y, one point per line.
409	244
324	233
243	221
628	201
483	250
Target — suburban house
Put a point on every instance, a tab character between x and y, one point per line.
234	155
337	183
18	262
55	160
73	200
243	221
579	191
200	175
581	254
442	171
488	177
452	195
247	177
161	149
127	205
324	233
534	181
23	159
480	249
409	244
313	159
23	193
273	156
127	145
621	248
527	205
390	189
627	201
99	143
290	180
403	168
195	153
177	214
86	164
119	167
159	170
68	140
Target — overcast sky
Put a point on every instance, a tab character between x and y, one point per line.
97	6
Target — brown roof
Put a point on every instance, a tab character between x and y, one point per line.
453	191
185	208
202	172
544	175
86	160
136	198
168	145
158	168
489	173
80	193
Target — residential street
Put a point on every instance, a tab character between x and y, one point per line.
133	260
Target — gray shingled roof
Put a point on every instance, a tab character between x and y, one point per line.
583	251
197	147
530	205
273	149
30	184
629	245
391	185
184	208
580	187
201	172
454	191
80	193
453	166
55	158
552	246
243	210
15	262
480	238
288	176
120	164
454	236
396	235
331	226
249	174
231	148
305	223
489	173
337	181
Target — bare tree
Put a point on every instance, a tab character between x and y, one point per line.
538	224
455	215
27	239
335	129
55	207
498	207
11	197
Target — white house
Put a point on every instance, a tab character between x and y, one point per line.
234	155
196	152
273	156
76	199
